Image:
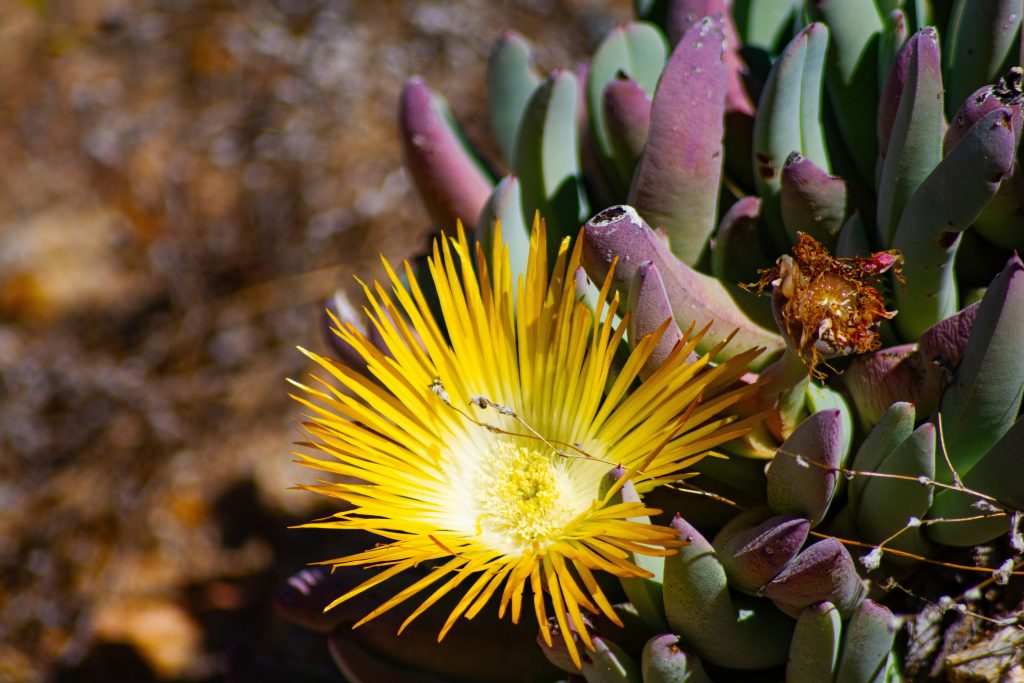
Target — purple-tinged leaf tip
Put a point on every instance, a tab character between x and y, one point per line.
650	308
676	183
452	184
812	201
823	571
620	233
754	546
627	115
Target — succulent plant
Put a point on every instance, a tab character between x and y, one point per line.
725	148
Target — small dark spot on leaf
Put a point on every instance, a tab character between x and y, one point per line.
610	214
765	166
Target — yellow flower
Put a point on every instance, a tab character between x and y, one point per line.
480	445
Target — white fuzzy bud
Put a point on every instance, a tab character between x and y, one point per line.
872	559
1002	575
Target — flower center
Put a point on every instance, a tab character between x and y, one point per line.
524	496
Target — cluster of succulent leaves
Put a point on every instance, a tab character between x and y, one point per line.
732	128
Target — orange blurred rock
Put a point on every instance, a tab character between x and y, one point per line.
163	633
61	260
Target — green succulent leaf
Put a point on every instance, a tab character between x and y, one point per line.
645	594
638	50
893	428
946	204
547	157
998	474
814	652
894	36
737	631
765	24
852	83
511	80
789	120
609	663
867	645
982	36
886	504
504	206
913	147
663	660
985	396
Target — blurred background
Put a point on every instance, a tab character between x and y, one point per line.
183	183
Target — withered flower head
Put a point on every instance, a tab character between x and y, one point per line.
828	306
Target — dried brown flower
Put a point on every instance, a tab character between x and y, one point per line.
828	306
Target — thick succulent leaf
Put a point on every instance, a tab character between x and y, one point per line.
822	571
1001	222
917	373
739	631
912	102
814	652
627	116
755	545
980	38
644	593
919	13
450	180
867	644
812	201
853	238
985	396
664	660
875	381
649	308
681	15
822	397
852	83
547	159
505	207
609	663
736	252
945	205
600	186
885	505
620	233
894	427
511	79
894	35
789	120
638	50
998	474
800	478
676	184
975	107
765	25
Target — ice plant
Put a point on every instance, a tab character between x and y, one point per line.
819	128
828	306
479	444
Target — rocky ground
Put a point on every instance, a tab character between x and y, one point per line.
184	182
